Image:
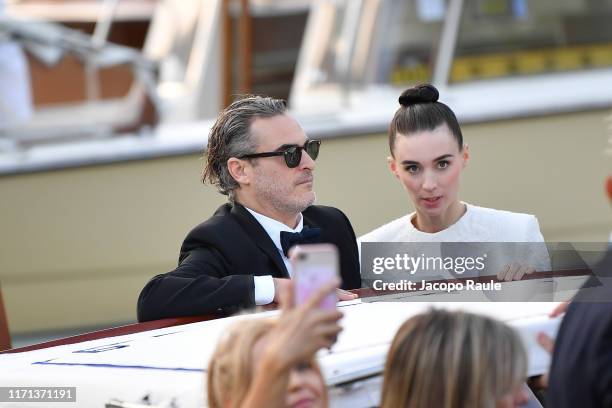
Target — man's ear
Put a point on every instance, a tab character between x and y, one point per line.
238	170
393	166
465	154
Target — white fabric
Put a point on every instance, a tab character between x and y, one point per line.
264	285
264	289
15	92
478	224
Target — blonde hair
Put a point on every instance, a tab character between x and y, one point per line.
452	360
230	370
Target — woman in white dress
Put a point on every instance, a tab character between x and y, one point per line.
428	156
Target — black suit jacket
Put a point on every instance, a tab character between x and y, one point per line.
581	370
219	258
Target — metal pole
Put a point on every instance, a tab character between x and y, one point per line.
226	64
447	44
98	39
246	48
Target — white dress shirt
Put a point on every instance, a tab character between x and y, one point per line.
264	285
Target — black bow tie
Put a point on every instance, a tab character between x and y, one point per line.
307	236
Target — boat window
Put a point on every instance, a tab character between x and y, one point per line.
518	38
358	42
408	37
360	54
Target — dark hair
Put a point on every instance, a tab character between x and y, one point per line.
230	136
421	111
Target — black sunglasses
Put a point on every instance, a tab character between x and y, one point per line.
292	154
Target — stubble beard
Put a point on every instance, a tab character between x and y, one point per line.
284	199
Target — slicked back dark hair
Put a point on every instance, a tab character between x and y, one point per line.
420	111
231	136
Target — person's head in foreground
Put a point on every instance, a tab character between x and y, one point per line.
448	359
238	360
428	156
260	157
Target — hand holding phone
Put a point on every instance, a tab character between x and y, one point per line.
314	266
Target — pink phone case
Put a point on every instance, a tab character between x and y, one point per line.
314	266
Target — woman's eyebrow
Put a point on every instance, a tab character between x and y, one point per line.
410	162
444	156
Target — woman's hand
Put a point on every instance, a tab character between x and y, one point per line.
514	272
547	342
559	309
298	334
304	329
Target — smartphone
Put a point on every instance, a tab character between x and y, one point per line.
314	266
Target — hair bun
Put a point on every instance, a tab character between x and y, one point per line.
426	93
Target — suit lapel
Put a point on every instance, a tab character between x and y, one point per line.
260	237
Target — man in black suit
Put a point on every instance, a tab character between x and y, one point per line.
261	158
581	371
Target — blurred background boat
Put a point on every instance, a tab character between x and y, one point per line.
99	187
